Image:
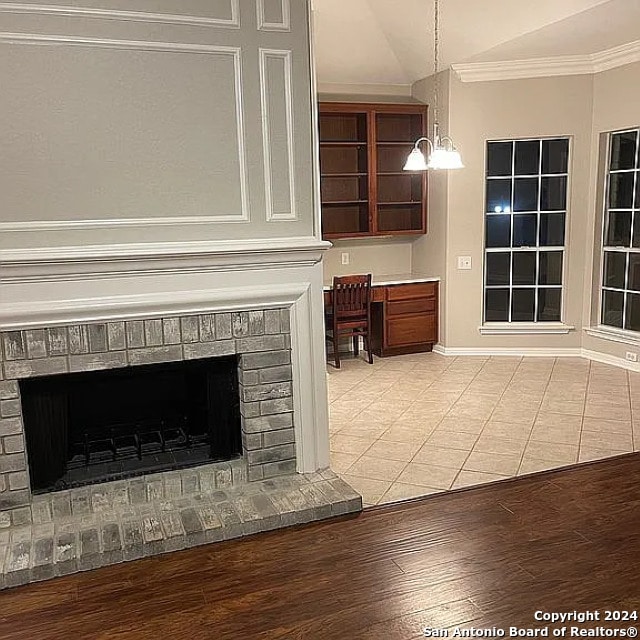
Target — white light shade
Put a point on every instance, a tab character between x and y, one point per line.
445	159
416	161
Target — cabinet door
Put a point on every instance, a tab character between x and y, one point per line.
403	331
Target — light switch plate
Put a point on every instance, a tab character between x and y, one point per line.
346	258
464	263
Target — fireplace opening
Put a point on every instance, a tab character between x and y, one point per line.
85	428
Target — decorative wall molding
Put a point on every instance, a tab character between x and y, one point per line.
552	66
124	16
144	45
524	328
285	57
264	25
605	358
19	266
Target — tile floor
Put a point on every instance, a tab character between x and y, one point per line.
413	425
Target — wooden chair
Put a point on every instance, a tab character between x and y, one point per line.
350	314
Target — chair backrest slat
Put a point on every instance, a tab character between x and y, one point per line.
351	295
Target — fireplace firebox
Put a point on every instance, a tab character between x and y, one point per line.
90	427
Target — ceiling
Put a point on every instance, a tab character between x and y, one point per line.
390	42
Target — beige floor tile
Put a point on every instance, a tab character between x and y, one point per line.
399	433
441	456
461	424
606	426
427	422
562	406
389	411
452	439
428	475
559	421
534	465
524	416
508	430
400	491
497	463
402	451
364	430
614	441
588	454
472	478
349	444
609	410
377	468
558	435
493	444
370	490
469	411
340	462
562	453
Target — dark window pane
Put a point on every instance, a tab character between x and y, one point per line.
636	230
496	305
524	267
551	267
612	306
553	196
623	150
527	160
499	158
555	156
498	195
498	231
549	301
633	282
525	230
632	322
621	190
637	199
619	229
525	194
498	268
615	267
552	229
523	305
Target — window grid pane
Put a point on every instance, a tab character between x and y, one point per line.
525	215
620	279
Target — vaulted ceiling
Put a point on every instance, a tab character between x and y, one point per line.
391	41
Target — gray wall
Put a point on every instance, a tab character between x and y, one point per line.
154	120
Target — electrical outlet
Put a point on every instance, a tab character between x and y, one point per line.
464	263
346	258
631	356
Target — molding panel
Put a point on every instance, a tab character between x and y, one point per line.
233	21
278	134
274	15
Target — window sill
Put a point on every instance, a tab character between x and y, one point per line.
613	335
524	328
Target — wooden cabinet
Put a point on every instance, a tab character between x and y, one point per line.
363	148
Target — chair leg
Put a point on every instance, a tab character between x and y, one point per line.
336	352
356	345
368	345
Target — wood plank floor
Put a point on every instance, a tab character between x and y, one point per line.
491	556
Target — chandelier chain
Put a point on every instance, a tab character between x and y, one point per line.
436	57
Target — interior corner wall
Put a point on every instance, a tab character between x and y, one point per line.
509	109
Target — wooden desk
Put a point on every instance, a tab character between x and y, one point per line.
404	316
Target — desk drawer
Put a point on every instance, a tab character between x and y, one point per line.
412	330
415	290
406	307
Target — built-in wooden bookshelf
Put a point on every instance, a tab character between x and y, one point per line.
363	148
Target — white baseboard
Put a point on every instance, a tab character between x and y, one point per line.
605	358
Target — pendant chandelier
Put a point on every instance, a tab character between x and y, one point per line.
442	152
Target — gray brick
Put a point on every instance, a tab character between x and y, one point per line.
155	489
276	438
338	503
189	327
173	530
276	374
190	482
61	504
172	485
255	474
352	497
231	522
207	328
257	513
273	469
15	500
57	341
17	564
111	543
18	480
10	426
223	326
287	512
268	407
116	336
272	321
3	482
13	444
78	339
153	333
13	462
29	368
268	423
132	541
212	522
65	554
249	409
224	477
101	501
152	355
10	408
171	330
264	360
256	323
209	349
252	441
322	505
239	472
192	525
5	520
14	348
267	392
151	530
285	320
98	361
80	502
8	390
249	378
137	491
42	559
42	512
90	549
36	343
274	454
135	334
260	343
305	509
97	337
240	324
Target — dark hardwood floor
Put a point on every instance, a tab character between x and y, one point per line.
485	557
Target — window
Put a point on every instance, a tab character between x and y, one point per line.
525	216
621	234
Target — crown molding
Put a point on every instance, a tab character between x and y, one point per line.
574	65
